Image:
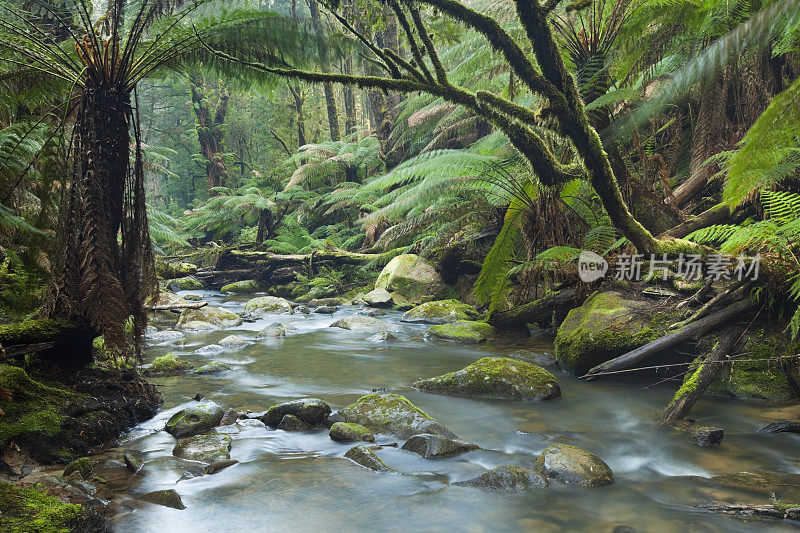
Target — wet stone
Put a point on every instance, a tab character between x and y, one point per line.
437	447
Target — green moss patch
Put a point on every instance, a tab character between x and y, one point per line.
32	510
169	364
31	331
462	331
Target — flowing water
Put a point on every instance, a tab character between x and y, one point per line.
301	482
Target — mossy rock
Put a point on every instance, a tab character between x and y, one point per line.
168	365
365	456
167	270
165	497
437	447
187	283
756	380
198	325
411	277
573	466
439	312
276	330
344	432
379	298
82	465
312	411
605	326
32	510
461	331
392	414
29	407
214	367
204	448
195	419
240	287
499	378
365	324
213	315
506	478
267	305
232	341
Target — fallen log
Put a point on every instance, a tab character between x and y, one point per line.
703	311
701	378
692	331
335	256
548	310
707	218
170	307
754	511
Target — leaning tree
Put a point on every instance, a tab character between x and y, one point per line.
94	60
537	61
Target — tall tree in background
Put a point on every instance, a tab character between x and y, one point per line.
330	98
210	126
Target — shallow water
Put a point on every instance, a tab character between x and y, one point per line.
301	482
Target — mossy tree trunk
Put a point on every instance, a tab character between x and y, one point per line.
209	124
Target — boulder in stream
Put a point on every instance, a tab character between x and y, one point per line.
365	324
198	325
412	277
210	349
214	367
216	316
186	283
365	456
166	497
232	341
439	312
240	287
267	305
276	330
219	466
437	447
348	432
539	359
381	336
781	426
499	378
392	414
167	335
573	466
293	423
461	331
607	325
207	448
509	478
312	411
195	419
168	365
379	298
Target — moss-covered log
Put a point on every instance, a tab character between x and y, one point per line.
702	377
549	310
66	344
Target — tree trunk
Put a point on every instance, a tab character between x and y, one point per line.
330	99
299	100
349	101
210	131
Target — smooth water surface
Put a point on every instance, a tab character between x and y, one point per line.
301	482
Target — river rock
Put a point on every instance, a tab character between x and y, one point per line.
607	325
214	367
208	448
574	466
439	312
344	432
498	378
168	365
326	310
230	417
437	447
267	305
293	423
379	298
365	456
82	465
211	349
195	419
167	299
192	297
781	426
276	330
186	283
392	414
461	331
232	341
166	497
312	411
327	302
167	335
250	423
364	324
132	463
506	478
302	309
373	312
198	325
411	277
240	287
228	429
217	316
381	336
218	466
